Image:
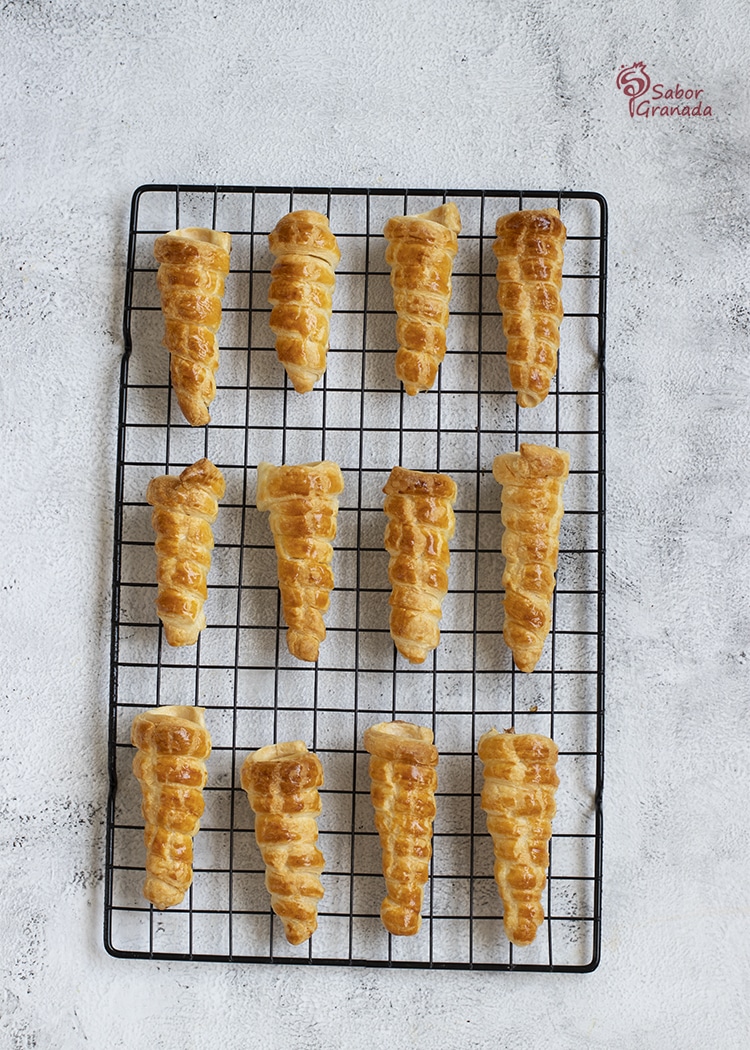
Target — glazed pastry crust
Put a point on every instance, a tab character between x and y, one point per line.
193	264
420	253
282	782
185	506
532	482
173	744
529	250
518	796
301	291
419	507
303	506
403	775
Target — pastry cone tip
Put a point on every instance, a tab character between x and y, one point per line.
399	921
526	652
527	663
414	654
177	637
161	894
298	932
523	934
304	646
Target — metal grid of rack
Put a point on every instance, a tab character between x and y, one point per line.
254	693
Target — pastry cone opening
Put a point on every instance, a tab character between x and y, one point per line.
217	238
196	715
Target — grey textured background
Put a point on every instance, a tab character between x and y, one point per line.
96	99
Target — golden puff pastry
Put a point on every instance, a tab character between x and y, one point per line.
518	796
173	745
529	250
302	283
531	508
185	507
403	775
303	508
282	782
419	507
420	252
193	264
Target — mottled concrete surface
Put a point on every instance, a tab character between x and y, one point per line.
96	99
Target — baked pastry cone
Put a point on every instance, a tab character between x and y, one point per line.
302	282
173	744
420	253
193	264
419	507
403	775
185	507
282	782
532	508
518	797
529	250
303	508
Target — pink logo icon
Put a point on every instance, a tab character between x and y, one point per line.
634	81
647	99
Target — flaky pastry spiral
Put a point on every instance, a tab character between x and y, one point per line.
185	507
173	745
518	796
529	250
301	291
532	482
282	781
403	778
419	507
420	252
193	264
303	506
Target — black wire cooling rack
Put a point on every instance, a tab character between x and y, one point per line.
240	671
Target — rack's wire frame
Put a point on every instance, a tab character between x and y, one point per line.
110	907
